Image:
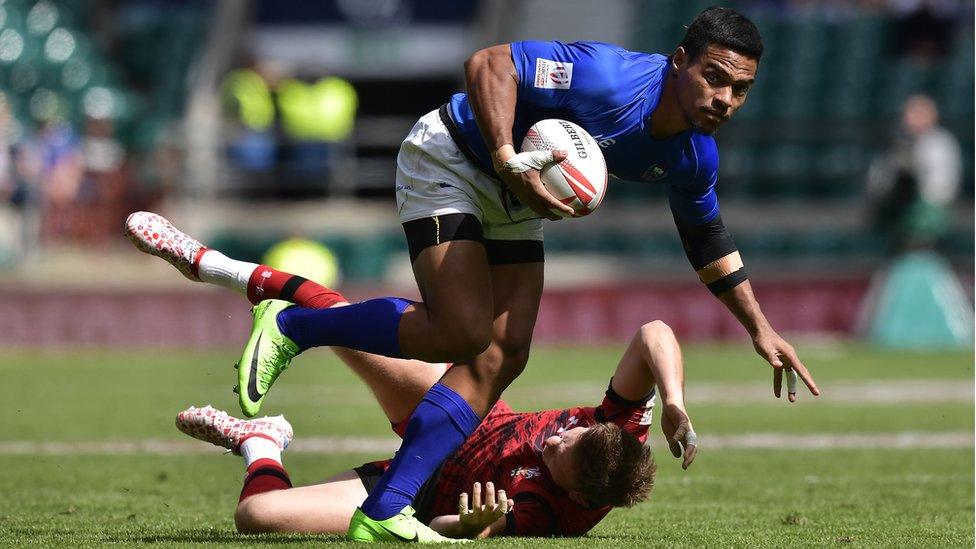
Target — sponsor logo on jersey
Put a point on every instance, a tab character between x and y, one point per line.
553	75
655	173
527	472
570	424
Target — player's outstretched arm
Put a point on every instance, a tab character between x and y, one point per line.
654	359
480	520
715	258
777	351
492	85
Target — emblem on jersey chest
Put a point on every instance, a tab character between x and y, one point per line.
553	75
527	472
655	173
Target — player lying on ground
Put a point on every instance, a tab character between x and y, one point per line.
549	473
563	482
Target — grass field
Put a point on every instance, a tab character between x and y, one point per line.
74	490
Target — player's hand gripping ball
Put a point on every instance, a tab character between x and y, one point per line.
580	181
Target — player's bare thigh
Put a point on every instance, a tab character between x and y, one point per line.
397	384
516	292
318	509
454	320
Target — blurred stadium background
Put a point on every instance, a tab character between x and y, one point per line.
249	123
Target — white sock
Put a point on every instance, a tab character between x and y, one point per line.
255	448
217	268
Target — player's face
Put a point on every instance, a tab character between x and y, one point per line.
560	458
713	86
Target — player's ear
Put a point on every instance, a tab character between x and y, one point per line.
678	59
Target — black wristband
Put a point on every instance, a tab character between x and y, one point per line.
728	282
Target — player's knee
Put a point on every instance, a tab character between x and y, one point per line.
252	516
656	331
505	361
462	341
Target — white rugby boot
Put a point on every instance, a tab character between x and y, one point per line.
155	235
221	429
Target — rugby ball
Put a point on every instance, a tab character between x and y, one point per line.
580	181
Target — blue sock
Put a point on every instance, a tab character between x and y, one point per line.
436	430
370	326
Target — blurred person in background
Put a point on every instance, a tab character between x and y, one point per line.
317	117
912	187
106	183
9	185
62	169
250	117
288	132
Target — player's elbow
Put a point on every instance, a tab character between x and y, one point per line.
655	332
477	59
489	61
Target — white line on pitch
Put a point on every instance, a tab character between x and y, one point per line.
854	392
366	445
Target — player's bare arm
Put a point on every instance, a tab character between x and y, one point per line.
485	517
719	266
492	85
776	350
653	359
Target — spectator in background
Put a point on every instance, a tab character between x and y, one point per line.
287	133
317	117
913	186
61	173
106	181
249	103
8	183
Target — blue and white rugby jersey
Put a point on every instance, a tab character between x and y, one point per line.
610	92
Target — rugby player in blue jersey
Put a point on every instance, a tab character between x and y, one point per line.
472	209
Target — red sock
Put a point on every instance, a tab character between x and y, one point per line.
264	475
268	283
195	266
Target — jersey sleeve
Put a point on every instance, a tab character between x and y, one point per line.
693	199
633	416
538	515
554	75
533	516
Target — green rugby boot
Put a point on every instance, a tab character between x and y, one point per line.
267	353
402	527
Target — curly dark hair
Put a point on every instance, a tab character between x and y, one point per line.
724	27
615	468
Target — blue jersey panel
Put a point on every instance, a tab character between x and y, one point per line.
610	92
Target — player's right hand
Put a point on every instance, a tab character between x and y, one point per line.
481	515
520	171
681	437
781	356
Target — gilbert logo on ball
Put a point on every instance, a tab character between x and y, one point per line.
580	181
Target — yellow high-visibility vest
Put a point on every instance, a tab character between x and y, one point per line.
323	111
255	106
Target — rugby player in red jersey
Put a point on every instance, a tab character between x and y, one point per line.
549	473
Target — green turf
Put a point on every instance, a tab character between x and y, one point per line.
920	498
742	498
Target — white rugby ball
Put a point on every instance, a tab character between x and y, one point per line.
580	181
